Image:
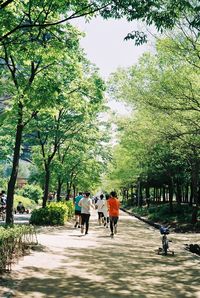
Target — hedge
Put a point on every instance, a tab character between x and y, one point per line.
52	214
13	243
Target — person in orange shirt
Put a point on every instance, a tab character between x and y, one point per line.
113	209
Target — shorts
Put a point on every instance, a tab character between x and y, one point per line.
77	212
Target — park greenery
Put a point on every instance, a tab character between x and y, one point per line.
158	158
53	214
14	243
52	97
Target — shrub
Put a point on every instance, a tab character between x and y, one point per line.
31	191
28	204
70	206
52	214
13	242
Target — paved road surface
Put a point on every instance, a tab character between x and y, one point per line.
18	219
71	265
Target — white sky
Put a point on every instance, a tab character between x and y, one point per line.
105	47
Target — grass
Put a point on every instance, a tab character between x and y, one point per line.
180	218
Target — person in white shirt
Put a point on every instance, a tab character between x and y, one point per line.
86	206
100	206
105	211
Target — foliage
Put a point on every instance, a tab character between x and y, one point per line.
13	243
160	142
52	214
162	14
70	207
28	203
162	213
31	191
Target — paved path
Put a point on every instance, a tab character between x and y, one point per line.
71	265
18	219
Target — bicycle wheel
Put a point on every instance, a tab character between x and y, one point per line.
165	246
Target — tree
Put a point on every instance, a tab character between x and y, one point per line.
166	85
24	71
71	118
160	13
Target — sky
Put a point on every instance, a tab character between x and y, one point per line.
105	47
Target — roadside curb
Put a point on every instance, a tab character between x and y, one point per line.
151	223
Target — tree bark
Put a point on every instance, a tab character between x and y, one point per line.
147	192
68	191
164	194
15	167
74	190
171	192
127	194
186	193
195	179
178	193
46	186
59	187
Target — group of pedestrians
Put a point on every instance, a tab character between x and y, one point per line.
107	207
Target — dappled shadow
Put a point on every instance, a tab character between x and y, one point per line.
97	266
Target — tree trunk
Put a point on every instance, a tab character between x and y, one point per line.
132	198
127	194
59	187
74	190
171	192
154	194
147	192
15	167
186	193
46	185
178	193
164	194
191	194
195	179
68	191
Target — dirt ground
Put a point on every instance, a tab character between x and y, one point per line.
68	264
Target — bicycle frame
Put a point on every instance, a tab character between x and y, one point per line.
165	242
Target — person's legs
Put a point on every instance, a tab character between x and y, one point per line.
99	217
115	220
87	218
111	225
83	220
76	219
79	220
107	221
102	218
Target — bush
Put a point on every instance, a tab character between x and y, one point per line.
70	206
13	242
28	204
31	191
52	214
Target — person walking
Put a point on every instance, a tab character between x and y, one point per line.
86	205
99	205
78	210
105	211
113	209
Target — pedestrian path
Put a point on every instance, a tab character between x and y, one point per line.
73	265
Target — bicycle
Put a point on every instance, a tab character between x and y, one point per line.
165	242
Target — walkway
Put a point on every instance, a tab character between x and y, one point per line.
71	265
